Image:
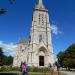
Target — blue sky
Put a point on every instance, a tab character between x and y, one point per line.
16	23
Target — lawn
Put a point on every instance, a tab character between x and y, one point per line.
30	73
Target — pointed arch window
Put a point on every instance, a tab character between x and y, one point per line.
39	18
40	38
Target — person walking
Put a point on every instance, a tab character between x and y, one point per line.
26	69
23	69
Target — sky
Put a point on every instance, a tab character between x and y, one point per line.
16	23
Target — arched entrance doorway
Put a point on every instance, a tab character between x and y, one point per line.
41	60
42	56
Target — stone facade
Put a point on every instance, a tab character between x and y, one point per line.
38	50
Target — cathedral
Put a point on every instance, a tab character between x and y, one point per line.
38	50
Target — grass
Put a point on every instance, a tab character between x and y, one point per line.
31	73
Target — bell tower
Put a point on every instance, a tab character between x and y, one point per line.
41	44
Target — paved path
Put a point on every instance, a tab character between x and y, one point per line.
68	72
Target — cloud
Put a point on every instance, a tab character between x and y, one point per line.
55	30
9	48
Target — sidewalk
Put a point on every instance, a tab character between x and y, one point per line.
68	72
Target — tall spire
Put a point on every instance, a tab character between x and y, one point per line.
40	5
40	2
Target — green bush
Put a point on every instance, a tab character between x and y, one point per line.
7	69
36	69
30	69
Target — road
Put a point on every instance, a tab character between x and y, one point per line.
68	72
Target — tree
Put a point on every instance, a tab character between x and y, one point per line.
67	57
60	57
1	57
9	60
12	1
3	10
5	60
